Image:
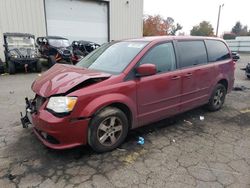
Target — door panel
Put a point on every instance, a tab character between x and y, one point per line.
158	96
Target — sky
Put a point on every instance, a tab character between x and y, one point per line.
191	12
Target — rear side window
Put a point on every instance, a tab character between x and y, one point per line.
162	56
192	53
217	51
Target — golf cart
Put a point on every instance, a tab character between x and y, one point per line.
20	51
55	49
81	49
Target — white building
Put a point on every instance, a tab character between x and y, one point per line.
94	20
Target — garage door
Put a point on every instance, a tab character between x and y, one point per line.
77	19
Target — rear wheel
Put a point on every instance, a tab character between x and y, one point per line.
108	129
217	98
38	66
11	67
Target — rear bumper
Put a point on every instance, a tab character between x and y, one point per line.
59	133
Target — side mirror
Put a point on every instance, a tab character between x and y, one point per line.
235	56
146	70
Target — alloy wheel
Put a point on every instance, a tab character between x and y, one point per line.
109	131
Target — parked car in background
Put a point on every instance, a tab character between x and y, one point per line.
20	52
236	56
127	84
1	67
55	49
247	70
81	49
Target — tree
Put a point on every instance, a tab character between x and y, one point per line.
203	29
157	25
240	30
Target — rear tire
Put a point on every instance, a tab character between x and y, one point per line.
217	98
107	130
38	67
11	67
51	61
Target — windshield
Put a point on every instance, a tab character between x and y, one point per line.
18	42
59	43
112	57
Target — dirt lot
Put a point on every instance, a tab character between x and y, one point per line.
179	152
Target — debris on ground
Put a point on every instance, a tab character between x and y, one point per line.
173	140
245	111
4	74
39	74
11	92
140	140
188	122
202	118
11	177
121	149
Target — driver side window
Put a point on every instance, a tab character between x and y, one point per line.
163	56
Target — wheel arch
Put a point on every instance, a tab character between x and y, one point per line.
122	102
224	82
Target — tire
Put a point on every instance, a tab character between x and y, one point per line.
51	61
248	76
217	98
38	66
107	130
11	67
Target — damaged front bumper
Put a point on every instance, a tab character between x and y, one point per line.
54	132
29	110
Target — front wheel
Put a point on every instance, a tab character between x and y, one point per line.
107	130
217	98
11	67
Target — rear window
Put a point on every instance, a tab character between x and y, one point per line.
192	53
217	51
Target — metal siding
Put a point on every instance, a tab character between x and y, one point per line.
25	16
28	16
126	19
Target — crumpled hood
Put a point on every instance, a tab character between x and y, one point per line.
61	78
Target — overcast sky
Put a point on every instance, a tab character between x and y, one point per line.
191	12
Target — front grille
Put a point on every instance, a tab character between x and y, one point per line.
39	101
66	52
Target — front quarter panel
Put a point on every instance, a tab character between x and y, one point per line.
92	102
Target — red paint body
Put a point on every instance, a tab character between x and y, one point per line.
149	98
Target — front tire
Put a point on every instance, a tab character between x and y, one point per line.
11	67
107	130
217	98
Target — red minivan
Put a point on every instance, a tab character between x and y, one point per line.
127	84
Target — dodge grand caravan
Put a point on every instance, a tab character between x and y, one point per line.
127	84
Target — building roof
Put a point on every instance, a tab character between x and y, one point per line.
18	34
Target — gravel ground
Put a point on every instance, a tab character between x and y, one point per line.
182	151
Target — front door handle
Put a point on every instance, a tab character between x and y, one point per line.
176	77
